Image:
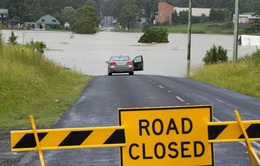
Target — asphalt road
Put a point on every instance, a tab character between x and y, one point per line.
98	104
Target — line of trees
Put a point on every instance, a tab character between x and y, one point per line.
31	10
126	11
214	16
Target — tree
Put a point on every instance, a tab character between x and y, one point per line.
154	34
183	17
203	18
12	39
215	15
147	8
85	21
215	55
105	8
66	15
117	7
91	3
175	18
128	14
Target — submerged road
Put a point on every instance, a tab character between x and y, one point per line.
98	104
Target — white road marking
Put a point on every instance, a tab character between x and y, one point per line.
179	98
160	86
221	101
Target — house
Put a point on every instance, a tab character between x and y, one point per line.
40	24
3	15
14	23
164	13
247	18
48	20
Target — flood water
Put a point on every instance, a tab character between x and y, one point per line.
88	53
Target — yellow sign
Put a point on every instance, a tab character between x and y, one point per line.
166	136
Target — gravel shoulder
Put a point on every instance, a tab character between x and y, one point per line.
7	157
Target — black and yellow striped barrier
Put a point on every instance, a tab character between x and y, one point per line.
68	138
55	139
114	136
231	131
236	131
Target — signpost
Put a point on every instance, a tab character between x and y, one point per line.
166	136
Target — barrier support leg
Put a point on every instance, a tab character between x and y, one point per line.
251	151
37	141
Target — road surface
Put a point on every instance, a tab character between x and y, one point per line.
98	104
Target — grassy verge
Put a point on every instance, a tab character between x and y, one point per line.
30	84
204	28
243	77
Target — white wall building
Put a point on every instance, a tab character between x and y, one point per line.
197	12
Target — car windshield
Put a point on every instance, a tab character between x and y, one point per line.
120	58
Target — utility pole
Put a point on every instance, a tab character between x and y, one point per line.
235	32
189	32
189	40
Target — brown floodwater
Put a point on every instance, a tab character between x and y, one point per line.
88	53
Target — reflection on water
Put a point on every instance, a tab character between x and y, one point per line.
88	53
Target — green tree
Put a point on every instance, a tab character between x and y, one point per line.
215	55
85	21
147	8
105	8
91	3
117	7
66	15
12	39
154	34
128	14
175	18
203	18
183	17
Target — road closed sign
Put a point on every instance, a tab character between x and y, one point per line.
166	136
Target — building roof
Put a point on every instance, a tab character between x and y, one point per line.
48	20
15	21
249	15
3	11
195	11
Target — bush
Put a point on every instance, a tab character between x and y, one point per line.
39	44
215	55
12	39
159	35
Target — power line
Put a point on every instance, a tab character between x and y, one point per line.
196	4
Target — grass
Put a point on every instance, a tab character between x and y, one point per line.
30	84
205	28
202	28
243	76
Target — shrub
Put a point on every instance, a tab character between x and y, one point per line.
12	39
215	55
39	44
159	35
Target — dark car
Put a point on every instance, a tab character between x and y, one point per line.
124	64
